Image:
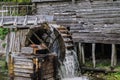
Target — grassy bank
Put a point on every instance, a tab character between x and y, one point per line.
103	65
102	76
3	69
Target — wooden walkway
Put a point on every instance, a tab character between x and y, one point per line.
23	21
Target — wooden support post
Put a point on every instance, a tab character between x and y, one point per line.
8	47
79	52
113	56
93	55
82	53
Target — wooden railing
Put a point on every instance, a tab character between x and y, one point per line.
23	21
45	0
13	10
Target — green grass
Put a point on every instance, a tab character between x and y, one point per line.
113	76
104	64
3	70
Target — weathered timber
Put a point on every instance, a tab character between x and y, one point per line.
106	4
21	78
79	53
83	54
113	56
93	55
30	67
27	50
19	21
95	37
98	70
45	0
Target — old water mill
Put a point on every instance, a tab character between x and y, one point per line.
45	50
61	37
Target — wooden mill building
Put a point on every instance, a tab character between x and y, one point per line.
94	24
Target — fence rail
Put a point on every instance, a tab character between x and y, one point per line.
23	21
16	10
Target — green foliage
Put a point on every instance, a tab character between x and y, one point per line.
4	45
113	76
3	33
3	69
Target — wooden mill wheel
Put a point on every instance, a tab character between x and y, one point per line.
55	38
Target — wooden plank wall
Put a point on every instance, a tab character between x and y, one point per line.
89	21
17	40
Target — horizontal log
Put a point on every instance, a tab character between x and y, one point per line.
106	4
21	78
108	15
23	63
23	70
65	14
22	59
93	69
44	0
96	40
101	20
97	9
22	74
23	66
94	12
98	70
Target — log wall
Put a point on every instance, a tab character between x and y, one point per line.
92	21
17	40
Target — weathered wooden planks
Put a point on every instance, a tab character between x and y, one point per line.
29	67
27	50
22	21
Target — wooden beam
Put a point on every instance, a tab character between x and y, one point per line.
93	55
79	53
113	56
82	53
8	47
